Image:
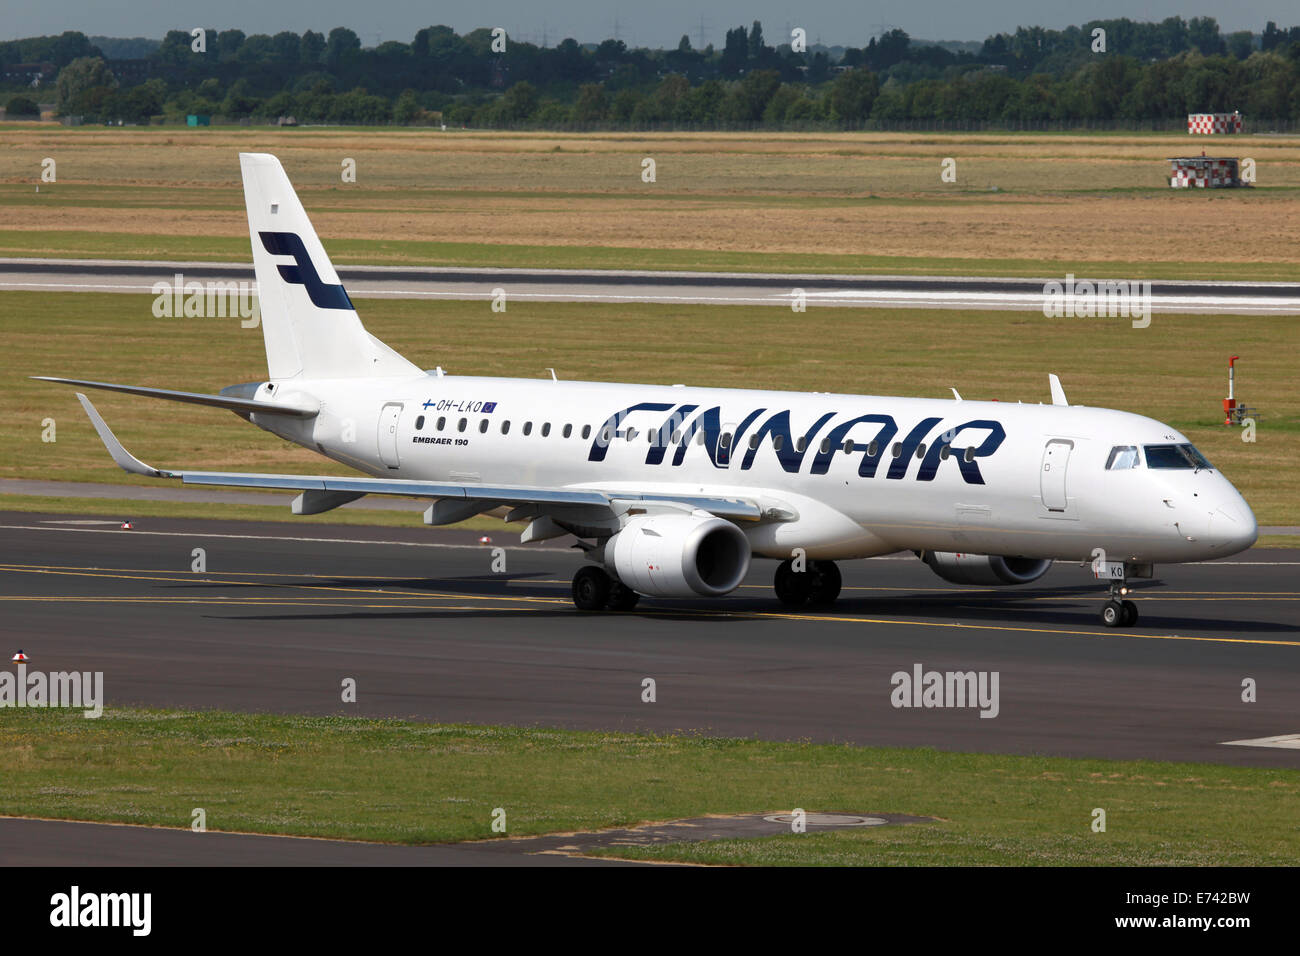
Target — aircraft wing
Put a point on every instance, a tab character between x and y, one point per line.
323	492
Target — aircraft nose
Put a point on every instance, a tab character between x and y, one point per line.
1233	527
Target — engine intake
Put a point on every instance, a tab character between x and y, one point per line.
679	555
988	569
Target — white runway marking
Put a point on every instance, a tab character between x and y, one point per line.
1284	742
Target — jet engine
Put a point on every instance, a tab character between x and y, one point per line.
679	555
991	569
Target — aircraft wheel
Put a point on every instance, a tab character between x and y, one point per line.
621	597
1112	614
793	588
590	589
826	584
1130	614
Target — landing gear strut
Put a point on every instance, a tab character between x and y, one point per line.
818	584
1119	611
595	590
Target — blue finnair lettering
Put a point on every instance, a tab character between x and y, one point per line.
304	272
970	470
720	439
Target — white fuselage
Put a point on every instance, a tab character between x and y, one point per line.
1035	482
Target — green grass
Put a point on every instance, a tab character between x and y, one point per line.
1172	371
95	245
402	782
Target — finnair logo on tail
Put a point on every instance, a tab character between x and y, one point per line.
304	272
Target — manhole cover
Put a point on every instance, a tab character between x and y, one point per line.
829	820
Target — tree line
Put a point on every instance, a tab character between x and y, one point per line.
1105	70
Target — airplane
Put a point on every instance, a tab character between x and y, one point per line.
671	490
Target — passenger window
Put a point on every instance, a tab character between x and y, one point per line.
586	431
969	454
778	442
753	441
872	449
1122	457
725	440
568	430
483	427
463	423
546	429
920	451
897	449
848	447
944	452
419	423
528	428
826	446
505	427
442	422
800	444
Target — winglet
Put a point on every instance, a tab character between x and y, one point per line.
955	395
1058	393
125	460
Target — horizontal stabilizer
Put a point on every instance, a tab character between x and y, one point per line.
194	398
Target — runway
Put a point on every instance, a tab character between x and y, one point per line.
284	611
567	285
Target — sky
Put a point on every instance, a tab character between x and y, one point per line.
653	23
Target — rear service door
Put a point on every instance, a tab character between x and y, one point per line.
388	418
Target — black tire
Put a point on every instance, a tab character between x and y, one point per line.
793	588
590	589
827	582
621	597
1130	614
1112	614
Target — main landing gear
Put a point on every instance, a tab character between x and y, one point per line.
1119	611
595	590
817	585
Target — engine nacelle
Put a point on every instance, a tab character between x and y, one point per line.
679	555
990	569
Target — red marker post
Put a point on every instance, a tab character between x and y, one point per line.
1230	403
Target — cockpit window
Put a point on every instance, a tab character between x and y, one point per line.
1175	456
1121	457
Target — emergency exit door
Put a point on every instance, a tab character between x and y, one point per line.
388	418
1052	477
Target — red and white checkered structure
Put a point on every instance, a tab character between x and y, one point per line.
1203	171
1210	123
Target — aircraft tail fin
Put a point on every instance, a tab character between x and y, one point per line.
310	327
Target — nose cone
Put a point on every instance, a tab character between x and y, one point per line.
1233	527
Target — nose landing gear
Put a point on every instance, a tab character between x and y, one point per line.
1119	611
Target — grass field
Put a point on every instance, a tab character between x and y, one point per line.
1173	371
1036	204
401	782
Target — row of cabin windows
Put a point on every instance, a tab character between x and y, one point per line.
545	430
724	441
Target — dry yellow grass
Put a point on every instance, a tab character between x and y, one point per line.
1069	198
